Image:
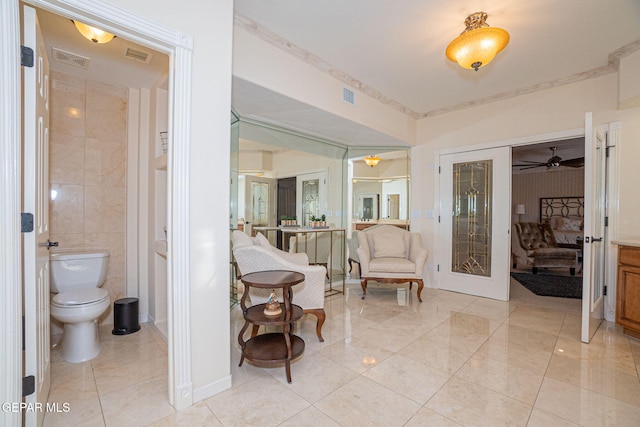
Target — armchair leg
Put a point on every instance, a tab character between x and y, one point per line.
363	284
320	314
534	270
420	286
572	271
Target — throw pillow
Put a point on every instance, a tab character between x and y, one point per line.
570	224
262	241
388	245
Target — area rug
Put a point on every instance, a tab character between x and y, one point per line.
551	286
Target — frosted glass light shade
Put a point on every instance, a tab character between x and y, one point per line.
519	209
94	34
478	44
372	160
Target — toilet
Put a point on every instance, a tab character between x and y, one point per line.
78	300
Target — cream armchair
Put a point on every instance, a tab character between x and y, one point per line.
257	254
389	254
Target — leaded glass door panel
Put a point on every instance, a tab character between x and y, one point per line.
475	193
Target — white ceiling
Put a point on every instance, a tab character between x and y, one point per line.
395	50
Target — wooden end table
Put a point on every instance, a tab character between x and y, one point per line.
276	347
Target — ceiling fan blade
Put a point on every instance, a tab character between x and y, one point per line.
535	166
578	162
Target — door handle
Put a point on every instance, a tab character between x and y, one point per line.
49	244
596	239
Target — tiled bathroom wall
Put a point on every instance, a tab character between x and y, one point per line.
88	172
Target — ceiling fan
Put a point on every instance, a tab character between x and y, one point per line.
553	162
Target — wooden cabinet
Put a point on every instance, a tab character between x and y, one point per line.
628	290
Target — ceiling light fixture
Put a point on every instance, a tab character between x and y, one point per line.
92	33
478	44
372	160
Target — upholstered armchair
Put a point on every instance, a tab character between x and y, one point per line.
257	254
541	249
389	254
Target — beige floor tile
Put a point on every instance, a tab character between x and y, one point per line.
114	374
449	334
196	415
389	337
471	405
365	402
437	355
583	407
540	418
512	381
596	377
262	402
86	413
617	356
310	417
407	377
429	418
356	354
532	359
313	376
138	404
509	334
539	319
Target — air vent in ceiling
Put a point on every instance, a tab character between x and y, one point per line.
348	96
69	58
138	55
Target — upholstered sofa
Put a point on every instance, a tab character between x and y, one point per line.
541	249
389	254
257	254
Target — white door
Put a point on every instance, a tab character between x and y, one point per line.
311	196
36	202
474	241
259	203
594	229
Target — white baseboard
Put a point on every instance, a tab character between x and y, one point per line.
211	389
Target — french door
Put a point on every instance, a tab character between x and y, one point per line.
594	229
474	241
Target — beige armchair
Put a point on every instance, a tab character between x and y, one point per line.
389	254
257	254
541	250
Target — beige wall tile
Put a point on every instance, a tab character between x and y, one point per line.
105	163
66	212
66	159
104	209
67	108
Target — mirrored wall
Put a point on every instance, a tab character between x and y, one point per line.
379	187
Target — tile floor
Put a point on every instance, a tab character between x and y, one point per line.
453	360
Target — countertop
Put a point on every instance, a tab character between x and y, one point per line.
627	242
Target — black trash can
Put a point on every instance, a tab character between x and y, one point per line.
125	316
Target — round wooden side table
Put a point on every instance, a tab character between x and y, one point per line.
275	347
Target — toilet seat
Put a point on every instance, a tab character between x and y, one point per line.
80	297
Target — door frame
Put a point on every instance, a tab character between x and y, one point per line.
179	47
614	141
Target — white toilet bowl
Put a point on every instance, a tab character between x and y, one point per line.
79	301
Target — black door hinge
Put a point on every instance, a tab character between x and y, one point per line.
28	385
439	169
604	290
26	56
26	222
606	221
438	267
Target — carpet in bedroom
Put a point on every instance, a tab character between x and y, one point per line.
551	286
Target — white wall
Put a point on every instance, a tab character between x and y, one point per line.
268	66
210	25
552	110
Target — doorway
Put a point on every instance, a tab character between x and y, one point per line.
167	40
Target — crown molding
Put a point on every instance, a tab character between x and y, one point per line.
272	38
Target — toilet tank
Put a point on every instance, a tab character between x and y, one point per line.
78	269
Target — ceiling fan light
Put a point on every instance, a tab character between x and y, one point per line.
478	44
372	160
94	34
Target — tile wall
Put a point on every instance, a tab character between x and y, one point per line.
88	140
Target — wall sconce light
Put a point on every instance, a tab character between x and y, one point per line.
92	33
519	211
372	160
478	44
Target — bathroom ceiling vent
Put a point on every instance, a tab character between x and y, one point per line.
138	55
69	58
348	96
